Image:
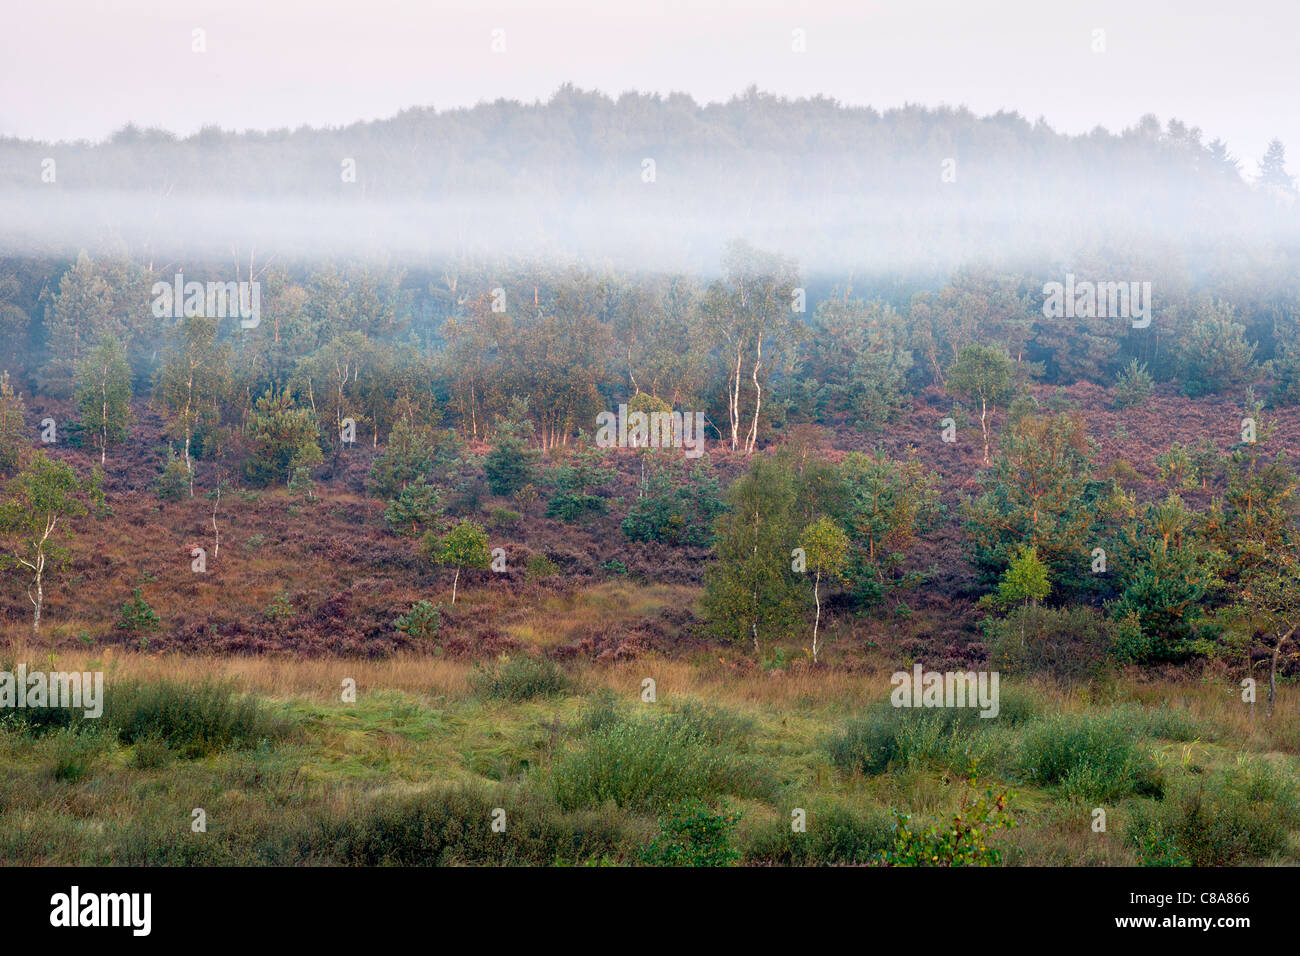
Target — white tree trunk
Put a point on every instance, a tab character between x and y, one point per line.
818	619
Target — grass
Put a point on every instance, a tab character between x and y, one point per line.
585	772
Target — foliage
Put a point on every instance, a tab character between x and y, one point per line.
415	506
422	621
1133	385
750	591
520	678
103	395
137	614
694	835
671	510
964	842
283	439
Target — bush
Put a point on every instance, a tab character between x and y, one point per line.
964	842
1221	821
1091	757
948	735
415	506
539	566
652	764
571	506
422	621
694	835
150	753
509	466
191	719
449	826
75	750
1072	644
1133	385
137	615
868	744
672	511
835	834
520	678
174	482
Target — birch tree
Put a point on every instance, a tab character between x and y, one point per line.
39	506
104	395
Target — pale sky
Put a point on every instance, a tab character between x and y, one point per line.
79	69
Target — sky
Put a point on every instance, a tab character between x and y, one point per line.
80	69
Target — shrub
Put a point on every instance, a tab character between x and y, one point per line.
150	753
283	440
193	719
407	459
1220	821
422	621
1133	385
680	513
694	835
448	826
539	566
964	842
835	834
520	678
1091	757
652	764
415	506
1177	467
949	735
510	465
137	615
174	482
571	506
75	750
1073	643
868	744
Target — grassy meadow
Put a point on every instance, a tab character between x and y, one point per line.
417	770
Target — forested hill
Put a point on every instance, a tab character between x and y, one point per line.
655	180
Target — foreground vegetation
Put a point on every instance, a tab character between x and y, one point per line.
574	767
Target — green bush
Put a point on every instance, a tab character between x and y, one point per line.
539	566
137	615
572	506
652	764
950	736
174	482
679	510
453	826
694	835
422	621
510	465
1071	643
834	835
150	753
963	842
1224	820
520	678
75	750
1133	385
1091	757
